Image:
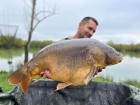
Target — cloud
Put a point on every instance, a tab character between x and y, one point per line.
119	38
118	20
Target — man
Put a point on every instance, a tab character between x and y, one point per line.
86	29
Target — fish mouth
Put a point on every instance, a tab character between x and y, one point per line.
120	58
111	62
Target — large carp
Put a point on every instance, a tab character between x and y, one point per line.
72	62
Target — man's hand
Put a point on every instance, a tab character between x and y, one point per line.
99	69
45	74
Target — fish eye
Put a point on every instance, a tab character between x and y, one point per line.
112	51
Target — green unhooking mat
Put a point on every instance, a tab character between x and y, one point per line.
95	93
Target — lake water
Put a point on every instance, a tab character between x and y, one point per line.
129	68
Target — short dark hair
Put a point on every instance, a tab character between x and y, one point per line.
86	19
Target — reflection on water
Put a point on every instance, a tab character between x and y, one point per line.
4	66
14	55
127	69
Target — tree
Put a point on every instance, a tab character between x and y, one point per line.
34	21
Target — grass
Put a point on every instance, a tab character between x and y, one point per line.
7	87
132	82
102	79
4	83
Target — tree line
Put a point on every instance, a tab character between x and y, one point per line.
125	47
8	42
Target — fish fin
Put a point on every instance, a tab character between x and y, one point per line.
15	77
19	77
62	85
89	76
25	82
36	80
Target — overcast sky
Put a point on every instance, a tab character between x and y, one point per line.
119	20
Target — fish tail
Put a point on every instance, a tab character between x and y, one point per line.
20	77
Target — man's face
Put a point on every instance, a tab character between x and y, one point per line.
86	30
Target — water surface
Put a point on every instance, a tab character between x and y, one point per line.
127	69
